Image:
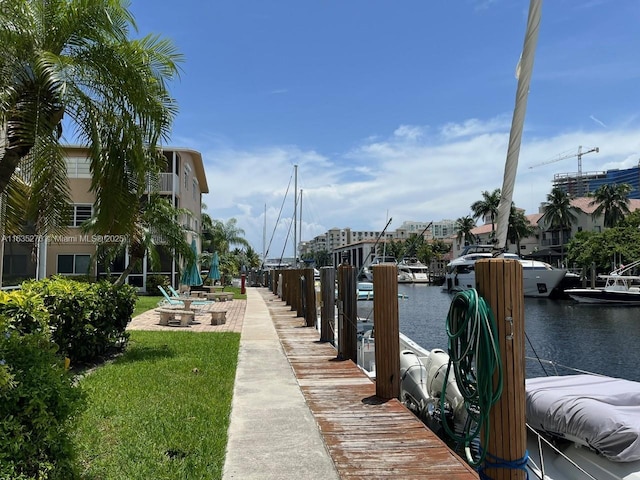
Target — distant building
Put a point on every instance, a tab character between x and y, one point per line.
579	185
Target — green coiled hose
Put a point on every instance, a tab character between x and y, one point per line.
474	355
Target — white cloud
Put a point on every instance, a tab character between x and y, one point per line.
409	176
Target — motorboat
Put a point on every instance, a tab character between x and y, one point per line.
583	426
422	373
364	291
539	278
367	273
620	288
579	425
412	271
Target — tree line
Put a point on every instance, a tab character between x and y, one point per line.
618	240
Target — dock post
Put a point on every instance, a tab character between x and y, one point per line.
347	335
327	304
284	287
309	308
387	330
301	283
499	282
294	289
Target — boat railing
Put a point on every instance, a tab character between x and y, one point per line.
539	470
557	366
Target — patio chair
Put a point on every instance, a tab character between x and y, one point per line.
173	291
177	301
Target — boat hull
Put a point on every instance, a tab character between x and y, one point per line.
535	283
599	296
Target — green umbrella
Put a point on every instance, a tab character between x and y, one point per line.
214	271
191	275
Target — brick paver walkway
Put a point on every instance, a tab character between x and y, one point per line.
235	316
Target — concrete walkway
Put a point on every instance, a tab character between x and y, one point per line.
272	434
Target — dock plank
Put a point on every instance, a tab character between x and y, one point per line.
367	437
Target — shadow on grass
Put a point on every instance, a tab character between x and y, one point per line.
138	352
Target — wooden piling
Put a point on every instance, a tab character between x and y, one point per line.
327	304
499	282
310	313
347	334
286	288
387	330
301	282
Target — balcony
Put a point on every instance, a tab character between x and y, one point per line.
165	184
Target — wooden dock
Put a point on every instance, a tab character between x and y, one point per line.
366	437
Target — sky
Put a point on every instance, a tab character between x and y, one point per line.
391	109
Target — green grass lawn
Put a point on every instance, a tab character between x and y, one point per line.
161	410
145	303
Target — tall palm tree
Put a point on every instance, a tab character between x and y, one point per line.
487	206
73	59
612	201
463	228
519	226
558	214
222	235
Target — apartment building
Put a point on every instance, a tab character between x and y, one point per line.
27	256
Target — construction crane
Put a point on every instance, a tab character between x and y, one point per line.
579	184
571	155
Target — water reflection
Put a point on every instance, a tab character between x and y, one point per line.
593	338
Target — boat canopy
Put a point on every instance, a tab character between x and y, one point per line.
597	412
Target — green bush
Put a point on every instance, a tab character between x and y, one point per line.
38	399
87	321
153	281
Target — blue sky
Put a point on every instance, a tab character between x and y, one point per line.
392	109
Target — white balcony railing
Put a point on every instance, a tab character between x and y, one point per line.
165	183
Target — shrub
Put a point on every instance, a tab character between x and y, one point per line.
87	320
153	281
37	397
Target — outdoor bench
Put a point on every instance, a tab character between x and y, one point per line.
168	317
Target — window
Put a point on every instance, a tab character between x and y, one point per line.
73	264
78	167
79	214
187	172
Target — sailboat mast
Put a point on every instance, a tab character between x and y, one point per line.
295	211
523	73
300	216
264	236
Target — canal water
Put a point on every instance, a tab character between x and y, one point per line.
598	339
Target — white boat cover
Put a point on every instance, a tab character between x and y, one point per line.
600	412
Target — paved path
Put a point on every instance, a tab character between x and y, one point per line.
272	433
235	317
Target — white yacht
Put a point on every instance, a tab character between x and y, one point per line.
539	278
367	273
412	270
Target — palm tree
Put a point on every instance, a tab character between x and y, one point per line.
219	236
74	59
412	244
156	231
519	226
612	201
253	258
463	228
487	206
558	214
393	248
